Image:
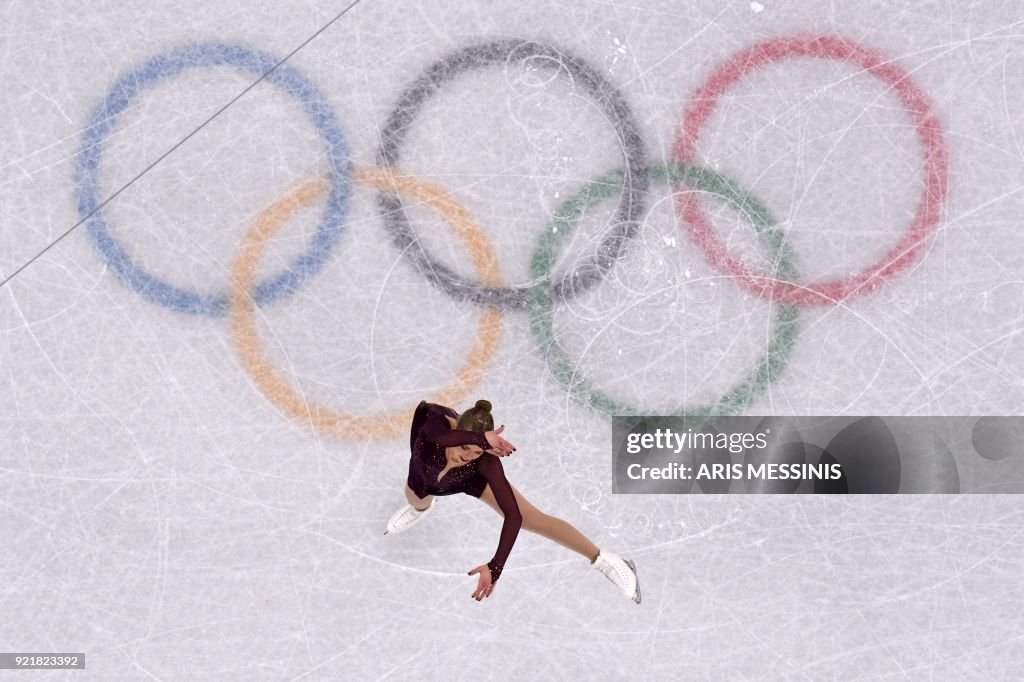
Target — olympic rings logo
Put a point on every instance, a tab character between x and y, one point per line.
257	365
630	184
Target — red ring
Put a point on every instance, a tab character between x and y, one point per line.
917	105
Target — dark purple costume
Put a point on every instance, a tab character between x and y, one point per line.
430	435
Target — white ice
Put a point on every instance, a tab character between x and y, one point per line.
160	514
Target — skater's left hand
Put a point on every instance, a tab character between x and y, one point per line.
498	445
484	586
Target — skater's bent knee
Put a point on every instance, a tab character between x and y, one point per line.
415	500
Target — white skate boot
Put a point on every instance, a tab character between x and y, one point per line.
620	571
407	517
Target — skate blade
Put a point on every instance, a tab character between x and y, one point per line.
632	567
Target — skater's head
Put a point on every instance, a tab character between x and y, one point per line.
477	418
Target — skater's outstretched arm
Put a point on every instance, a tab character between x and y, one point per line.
492	470
437	431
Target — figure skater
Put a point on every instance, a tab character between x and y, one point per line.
460	454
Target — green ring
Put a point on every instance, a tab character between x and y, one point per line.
565	219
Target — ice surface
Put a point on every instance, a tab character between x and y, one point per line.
159	513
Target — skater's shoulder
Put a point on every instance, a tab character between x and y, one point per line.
434	408
489	464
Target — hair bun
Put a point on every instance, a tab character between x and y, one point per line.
484	405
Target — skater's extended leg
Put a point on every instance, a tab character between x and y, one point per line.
418	503
551	527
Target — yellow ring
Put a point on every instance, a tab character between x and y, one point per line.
246	338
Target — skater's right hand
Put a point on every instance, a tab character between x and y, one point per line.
484	586
499	446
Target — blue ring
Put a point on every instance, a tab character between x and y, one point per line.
172	63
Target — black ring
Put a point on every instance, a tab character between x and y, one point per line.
632	205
